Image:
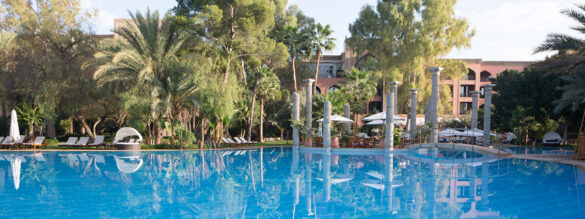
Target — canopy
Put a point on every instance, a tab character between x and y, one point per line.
14	132
450	132
127	132
382	116
381	122
338	119
551	136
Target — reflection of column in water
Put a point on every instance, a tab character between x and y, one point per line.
388	181
262	167
326	162
484	182
293	172
308	179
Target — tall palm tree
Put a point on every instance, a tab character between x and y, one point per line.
570	50
147	60
570	59
268	89
297	42
322	41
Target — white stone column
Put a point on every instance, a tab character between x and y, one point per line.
389	122
327	125
309	107
394	89
413	104
435	104
347	114
295	117
487	114
474	109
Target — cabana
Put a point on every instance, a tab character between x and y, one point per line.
127	139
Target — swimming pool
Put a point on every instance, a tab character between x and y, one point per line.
282	182
539	150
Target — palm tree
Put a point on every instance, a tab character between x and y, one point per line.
268	89
297	42
361	87
570	59
322	41
146	60
570	50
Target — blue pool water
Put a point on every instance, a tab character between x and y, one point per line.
286	183
539	150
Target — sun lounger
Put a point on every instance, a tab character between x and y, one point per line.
245	141
37	142
82	142
228	141
6	141
70	141
98	141
17	142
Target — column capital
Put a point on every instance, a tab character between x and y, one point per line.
488	85
474	92
413	90
309	81
436	69
394	83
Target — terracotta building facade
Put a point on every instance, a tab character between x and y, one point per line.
332	67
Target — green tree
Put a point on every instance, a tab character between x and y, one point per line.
406	37
297	42
268	90
321	40
149	61
360	88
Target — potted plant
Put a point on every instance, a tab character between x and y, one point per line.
335	137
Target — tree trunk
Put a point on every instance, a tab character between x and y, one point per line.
85	126
316	71
172	130
262	119
251	118
70	128
281	134
157	133
294	71
95	124
31	129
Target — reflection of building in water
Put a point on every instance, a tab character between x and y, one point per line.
456	184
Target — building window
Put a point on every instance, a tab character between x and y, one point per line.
485	76
464	108
330	72
469	76
465	90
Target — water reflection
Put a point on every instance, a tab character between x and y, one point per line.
285	182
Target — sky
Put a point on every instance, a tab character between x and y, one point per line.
506	30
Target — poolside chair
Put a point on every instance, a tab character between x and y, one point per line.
228	142
70	141
82	142
246	141
6	141
37	142
17	142
98	141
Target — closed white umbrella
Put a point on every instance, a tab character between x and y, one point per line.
14	132
382	116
